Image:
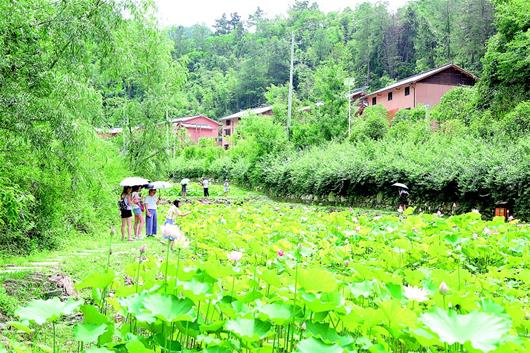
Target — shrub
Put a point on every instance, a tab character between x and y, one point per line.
373	124
459	103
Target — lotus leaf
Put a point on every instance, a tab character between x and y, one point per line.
97	280
317	280
313	345
169	308
88	333
484	330
43	311
251	330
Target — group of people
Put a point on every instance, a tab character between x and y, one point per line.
205	183
132	204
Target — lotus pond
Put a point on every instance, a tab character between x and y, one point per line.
268	277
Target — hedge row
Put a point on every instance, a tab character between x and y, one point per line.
439	169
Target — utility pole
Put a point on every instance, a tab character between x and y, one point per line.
290	100
349	82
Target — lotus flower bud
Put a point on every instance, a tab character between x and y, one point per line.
142	249
303	327
443	288
347	263
280	253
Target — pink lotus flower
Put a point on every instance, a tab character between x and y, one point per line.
443	288
400	209
487	231
142	249
439	213
511	218
358	228
280	253
416	294
347	263
235	256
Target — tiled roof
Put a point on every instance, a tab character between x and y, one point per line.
258	111
422	76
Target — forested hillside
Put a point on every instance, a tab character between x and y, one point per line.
234	65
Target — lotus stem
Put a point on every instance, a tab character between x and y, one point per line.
167	265
177	273
53	329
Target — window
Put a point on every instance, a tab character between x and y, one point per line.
374	100
407	91
227	132
228	122
389	96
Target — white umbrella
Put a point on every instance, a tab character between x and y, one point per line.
185	181
399	185
134	181
160	185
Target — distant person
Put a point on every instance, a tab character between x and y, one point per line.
126	212
226	186
205	184
151	203
138	209
403	199
184	184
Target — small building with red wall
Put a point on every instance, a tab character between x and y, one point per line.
197	127
426	88
229	123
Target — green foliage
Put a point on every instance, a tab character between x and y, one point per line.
458	104
373	124
506	64
411	115
516	124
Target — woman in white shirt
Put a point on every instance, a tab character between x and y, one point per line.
151	220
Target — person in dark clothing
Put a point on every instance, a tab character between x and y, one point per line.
403	199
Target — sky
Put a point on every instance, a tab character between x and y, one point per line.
190	12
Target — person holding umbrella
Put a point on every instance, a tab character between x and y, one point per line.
151	203
126	212
403	195
138	209
184	184
126	204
